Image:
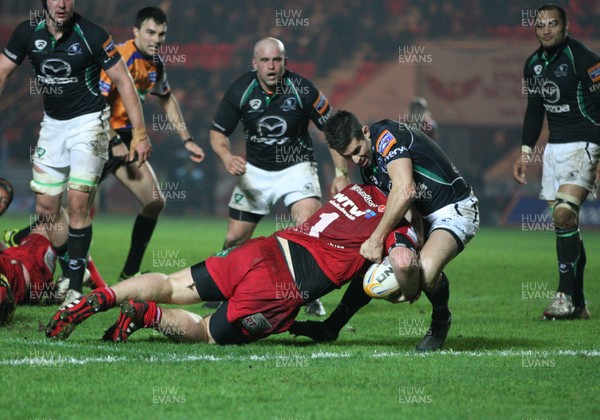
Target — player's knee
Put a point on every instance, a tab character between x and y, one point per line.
154	208
566	211
564	218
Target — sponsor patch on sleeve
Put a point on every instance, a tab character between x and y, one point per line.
594	73
109	47
321	104
385	142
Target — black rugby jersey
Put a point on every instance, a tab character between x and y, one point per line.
566	88
275	124
67	70
437	182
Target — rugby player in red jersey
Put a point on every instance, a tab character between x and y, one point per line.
263	282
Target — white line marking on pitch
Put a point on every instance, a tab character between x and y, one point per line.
52	358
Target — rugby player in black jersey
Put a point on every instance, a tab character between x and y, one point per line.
563	84
275	107
418	177
67	53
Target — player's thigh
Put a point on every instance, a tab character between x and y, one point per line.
567	166
439	249
140	181
184	290
303	209
298	182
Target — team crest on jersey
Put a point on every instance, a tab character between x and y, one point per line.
538	69
561	71
40	44
594	73
289	104
74	49
385	142
381	208
255	103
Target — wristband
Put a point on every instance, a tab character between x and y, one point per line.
526	149
341	172
138	135
188	140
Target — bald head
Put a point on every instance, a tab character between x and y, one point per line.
269	62
270	44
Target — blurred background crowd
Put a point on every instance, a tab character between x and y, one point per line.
209	44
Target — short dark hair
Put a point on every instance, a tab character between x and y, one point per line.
4	184
151	12
341	128
552	6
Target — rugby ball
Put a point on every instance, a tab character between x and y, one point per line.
380	282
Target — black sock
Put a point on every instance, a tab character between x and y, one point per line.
23	233
140	237
78	245
63	258
354	298
568	247
439	299
578	296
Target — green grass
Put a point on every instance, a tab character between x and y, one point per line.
500	360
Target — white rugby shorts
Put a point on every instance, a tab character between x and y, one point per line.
258	190
568	163
73	150
461	219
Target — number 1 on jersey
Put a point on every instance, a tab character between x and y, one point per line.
321	225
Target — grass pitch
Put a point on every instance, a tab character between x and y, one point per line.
500	359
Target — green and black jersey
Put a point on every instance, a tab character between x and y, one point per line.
437	181
275	123
67	70
564	85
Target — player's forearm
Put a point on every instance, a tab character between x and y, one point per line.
532	124
398	203
220	145
175	116
341	165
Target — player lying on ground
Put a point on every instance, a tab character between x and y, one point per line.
26	268
263	282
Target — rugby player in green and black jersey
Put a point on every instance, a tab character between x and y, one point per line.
67	53
418	177
563	84
275	107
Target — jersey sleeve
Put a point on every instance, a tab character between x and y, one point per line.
104	50
391	143
228	114
405	235
534	114
317	104
16	49
589	63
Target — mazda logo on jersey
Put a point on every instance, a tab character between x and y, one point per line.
271	126
54	67
56	71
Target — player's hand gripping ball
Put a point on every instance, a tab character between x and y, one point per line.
380	282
